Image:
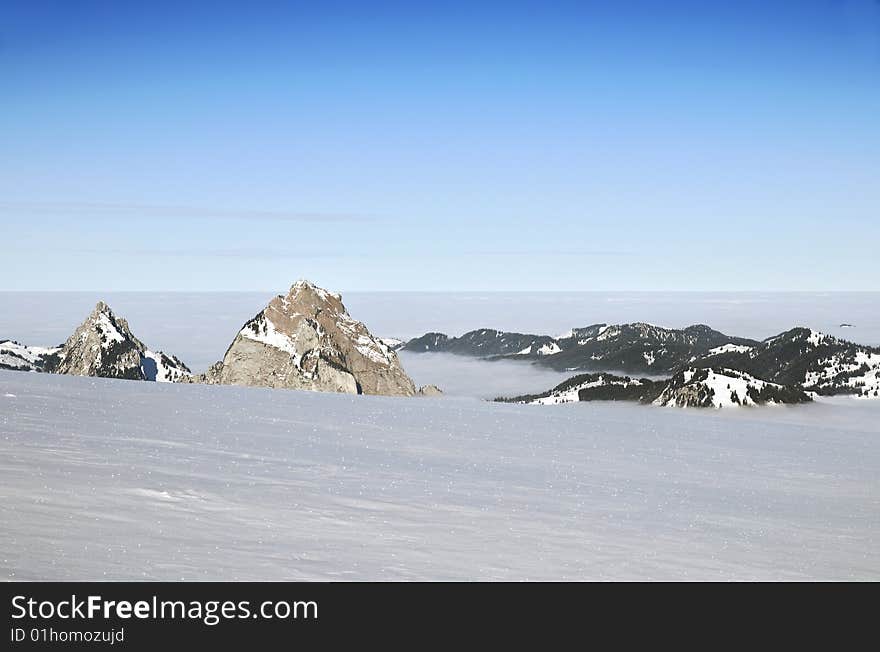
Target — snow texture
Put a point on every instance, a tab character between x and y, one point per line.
107	479
728	348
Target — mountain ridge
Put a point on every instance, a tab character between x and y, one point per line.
306	339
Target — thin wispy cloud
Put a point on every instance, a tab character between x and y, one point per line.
260	253
597	253
253	253
164	211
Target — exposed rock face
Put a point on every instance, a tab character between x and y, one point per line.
307	340
430	390
104	346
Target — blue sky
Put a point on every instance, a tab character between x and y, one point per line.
440	146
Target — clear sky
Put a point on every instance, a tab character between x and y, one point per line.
440	146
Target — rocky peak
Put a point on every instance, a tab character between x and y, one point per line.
103	345
307	340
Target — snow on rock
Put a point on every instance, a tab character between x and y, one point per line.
392	343
307	340
104	346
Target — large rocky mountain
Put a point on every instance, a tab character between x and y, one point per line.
634	348
307	340
104	346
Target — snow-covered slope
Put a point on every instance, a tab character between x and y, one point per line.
107	480
727	348
163	368
718	388
594	387
392	342
857	371
693	387
817	361
15	356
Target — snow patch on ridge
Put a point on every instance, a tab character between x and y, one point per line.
729	348
718	389
549	349
264	332
106	327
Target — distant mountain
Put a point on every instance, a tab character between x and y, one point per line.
15	356
104	346
818	362
634	348
715	387
595	387
307	340
485	342
638	347
802	357
692	387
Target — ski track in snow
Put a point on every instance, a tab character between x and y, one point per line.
117	480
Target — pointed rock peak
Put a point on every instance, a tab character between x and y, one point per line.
302	284
103	309
107	324
103	345
307	340
307	288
